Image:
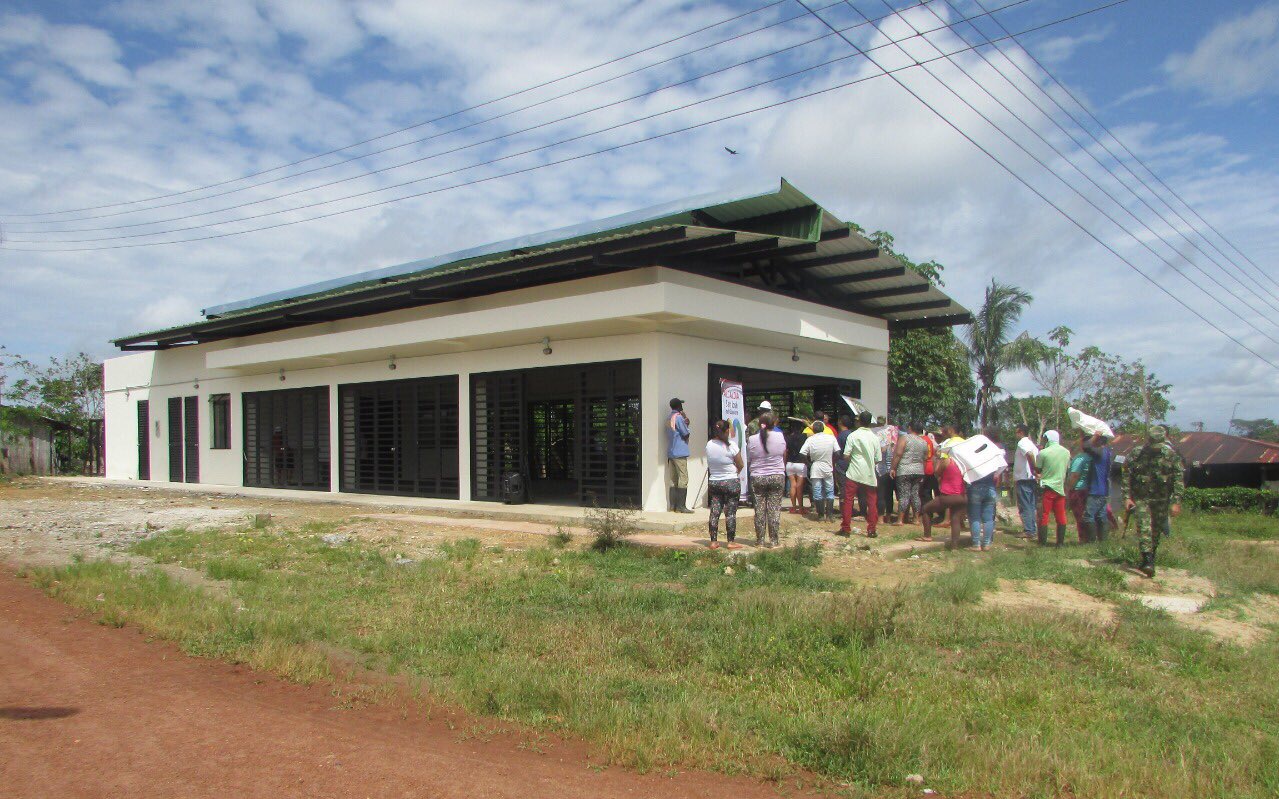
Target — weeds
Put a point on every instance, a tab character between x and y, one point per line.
560	538
662	660
610	526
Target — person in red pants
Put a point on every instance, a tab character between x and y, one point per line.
1053	462
862	452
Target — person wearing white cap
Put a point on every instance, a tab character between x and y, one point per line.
1052	462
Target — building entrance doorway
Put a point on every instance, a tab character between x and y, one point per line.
791	395
572	433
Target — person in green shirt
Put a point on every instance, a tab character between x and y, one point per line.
862	451
1052	463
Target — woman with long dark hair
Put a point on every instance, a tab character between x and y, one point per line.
724	464
767	450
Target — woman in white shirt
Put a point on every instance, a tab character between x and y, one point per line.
724	462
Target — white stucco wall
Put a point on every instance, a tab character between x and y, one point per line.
676	324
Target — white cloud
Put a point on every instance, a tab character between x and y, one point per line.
235	87
1236	60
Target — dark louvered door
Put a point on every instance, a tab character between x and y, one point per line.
144	440
175	439
286	438
498	442
401	437
191	434
608	440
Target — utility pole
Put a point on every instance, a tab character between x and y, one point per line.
1233	415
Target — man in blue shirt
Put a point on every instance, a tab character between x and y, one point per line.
677	456
1095	517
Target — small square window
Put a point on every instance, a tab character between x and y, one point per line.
220	406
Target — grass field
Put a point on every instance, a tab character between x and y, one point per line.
661	659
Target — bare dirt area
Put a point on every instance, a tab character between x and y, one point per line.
94	711
1038	595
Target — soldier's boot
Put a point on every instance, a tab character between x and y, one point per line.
681	500
1147	566
1061	535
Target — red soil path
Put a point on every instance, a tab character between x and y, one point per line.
93	711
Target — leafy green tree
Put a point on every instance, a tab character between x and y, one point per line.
68	390
928	375
1261	429
1122	392
992	349
929	379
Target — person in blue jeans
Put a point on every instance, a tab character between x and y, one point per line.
1095	516
983	496
1027	482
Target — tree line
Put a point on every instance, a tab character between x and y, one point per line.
66	391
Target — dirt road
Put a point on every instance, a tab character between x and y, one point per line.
94	711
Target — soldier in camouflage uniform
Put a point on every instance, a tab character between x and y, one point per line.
1153	482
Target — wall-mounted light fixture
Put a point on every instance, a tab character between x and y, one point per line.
390	363
794	353
126	395
157	428
281	374
196	384
546	345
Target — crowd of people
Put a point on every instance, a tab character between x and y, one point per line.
906	475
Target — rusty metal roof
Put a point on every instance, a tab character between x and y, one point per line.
1211	449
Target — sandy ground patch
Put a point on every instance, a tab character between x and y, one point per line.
1038	596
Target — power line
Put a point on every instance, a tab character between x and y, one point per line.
461	168
1086	176
1120	161
416	125
580	156
1036	191
420	140
420	159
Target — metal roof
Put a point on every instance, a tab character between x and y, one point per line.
778	240
1211	449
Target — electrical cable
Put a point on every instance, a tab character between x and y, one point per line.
1267	294
415	125
1243	301
448	152
1041	195
423	139
402	164
567	159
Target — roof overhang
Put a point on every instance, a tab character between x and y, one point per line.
781	242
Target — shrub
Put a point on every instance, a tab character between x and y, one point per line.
560	538
611	526
1257	500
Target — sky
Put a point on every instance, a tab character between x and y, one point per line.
150	115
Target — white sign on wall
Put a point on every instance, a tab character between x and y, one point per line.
732	403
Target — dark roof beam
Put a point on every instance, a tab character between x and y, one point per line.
896	291
835	260
863	277
929	305
932	321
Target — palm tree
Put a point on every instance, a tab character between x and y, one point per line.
991	348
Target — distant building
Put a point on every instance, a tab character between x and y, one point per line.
552	356
1216	460
29	442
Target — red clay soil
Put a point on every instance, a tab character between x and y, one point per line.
94	711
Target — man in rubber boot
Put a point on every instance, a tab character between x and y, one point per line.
677	456
862	451
1154	479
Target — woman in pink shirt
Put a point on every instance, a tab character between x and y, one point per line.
950	496
767	460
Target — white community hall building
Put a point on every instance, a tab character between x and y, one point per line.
553	357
